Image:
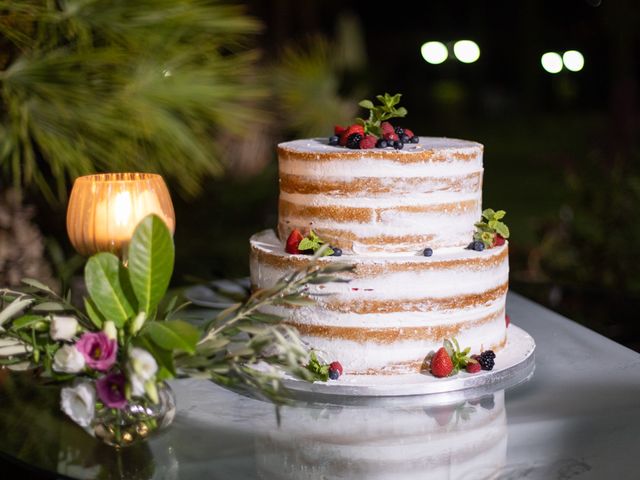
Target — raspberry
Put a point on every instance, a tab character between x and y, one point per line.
507	320
386	127
391	137
473	367
295	237
498	241
336	366
344	136
408	133
338	129
441	364
369	141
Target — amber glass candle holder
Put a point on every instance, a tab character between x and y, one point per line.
105	209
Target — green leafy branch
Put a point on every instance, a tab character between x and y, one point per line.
491	225
244	343
381	113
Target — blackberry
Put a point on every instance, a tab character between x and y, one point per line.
334	140
337	252
353	141
398	145
415	139
427	252
382	143
404	138
399	131
486	360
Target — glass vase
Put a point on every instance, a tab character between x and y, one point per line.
137	421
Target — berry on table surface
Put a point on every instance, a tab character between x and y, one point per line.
334	140
369	141
473	367
353	141
427	252
295	237
441	364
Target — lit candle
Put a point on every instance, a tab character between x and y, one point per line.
105	209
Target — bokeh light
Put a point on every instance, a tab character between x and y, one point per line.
434	52
573	60
551	62
467	51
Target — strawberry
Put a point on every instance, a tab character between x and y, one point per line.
507	320
408	133
350	131
386	127
338	129
473	367
441	364
295	237
498	241
391	136
369	141
336	366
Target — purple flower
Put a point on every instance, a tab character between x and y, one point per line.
110	389
98	349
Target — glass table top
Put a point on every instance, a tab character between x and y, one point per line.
577	417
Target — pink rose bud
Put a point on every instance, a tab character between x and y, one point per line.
98	349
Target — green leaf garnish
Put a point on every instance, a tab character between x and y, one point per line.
489	226
314	243
459	358
380	113
319	370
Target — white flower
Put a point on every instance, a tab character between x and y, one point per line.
142	364
79	402
68	359
63	327
137	385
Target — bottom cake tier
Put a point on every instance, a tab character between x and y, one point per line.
396	309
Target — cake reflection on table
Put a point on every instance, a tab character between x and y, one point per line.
466	440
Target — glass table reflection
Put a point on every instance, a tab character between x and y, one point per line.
578	417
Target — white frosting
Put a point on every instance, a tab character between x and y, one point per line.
411	285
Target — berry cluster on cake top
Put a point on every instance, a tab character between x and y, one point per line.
376	131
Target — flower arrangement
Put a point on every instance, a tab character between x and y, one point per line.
115	354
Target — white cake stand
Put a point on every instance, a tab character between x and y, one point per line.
514	364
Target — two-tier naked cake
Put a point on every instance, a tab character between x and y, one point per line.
383	207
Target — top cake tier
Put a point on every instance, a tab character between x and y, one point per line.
382	200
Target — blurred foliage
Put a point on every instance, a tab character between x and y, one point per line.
90	86
595	239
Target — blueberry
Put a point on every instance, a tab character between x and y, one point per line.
334	140
382	143
404	138
427	252
353	141
337	252
399	131
415	139
478	246
398	145
334	374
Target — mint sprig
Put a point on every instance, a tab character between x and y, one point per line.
381	113
319	369
489	226
459	358
314	242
